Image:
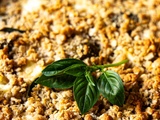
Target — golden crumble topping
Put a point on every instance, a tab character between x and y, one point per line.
95	31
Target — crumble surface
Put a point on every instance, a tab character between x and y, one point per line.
95	31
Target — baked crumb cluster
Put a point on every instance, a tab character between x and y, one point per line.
95	31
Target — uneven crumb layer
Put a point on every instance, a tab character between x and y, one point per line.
95	31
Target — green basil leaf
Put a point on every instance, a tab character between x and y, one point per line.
85	94
60	82
111	87
58	67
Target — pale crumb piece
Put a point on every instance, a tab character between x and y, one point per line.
60	54
35	117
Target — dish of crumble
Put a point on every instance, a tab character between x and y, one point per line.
94	31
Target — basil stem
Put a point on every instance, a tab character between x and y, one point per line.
100	67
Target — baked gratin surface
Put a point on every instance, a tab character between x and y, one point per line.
95	31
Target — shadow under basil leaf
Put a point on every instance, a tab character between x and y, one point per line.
33	84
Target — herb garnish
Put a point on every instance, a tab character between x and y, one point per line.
67	73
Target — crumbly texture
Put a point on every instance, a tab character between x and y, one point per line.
95	31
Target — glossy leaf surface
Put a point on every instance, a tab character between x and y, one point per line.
59	67
61	82
85	94
111	87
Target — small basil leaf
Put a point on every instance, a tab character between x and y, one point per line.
7	29
111	87
85	94
58	67
60	82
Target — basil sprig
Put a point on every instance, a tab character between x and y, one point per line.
67	73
